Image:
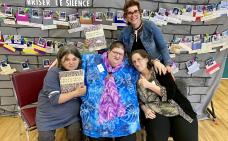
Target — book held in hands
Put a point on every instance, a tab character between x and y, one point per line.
70	80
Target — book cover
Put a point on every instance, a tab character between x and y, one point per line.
95	37
70	80
86	17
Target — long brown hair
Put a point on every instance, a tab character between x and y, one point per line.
143	54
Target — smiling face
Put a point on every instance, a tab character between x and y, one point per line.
116	56
133	16
70	62
139	62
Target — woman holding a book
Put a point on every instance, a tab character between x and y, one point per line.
110	106
57	109
167	111
144	35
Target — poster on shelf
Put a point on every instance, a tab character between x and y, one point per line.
95	37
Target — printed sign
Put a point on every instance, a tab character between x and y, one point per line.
59	3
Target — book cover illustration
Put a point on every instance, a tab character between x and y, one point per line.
74	21
95	37
192	66
70	80
212	66
86	17
22	15
109	15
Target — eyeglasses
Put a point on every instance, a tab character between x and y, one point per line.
117	53
129	13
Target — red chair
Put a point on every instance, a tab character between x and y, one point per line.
27	86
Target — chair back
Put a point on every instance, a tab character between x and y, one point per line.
27	85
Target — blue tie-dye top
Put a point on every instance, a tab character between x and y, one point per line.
125	79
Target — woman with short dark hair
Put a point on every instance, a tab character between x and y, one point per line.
144	35
110	106
56	109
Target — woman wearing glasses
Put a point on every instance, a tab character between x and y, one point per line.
110	106
144	35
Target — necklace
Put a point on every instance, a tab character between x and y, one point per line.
136	31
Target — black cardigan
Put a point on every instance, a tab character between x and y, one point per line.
174	93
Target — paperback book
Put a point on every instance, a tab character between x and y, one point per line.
70	80
95	37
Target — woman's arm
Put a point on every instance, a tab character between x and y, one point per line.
149	113
159	67
150	85
161	44
54	63
53	91
80	91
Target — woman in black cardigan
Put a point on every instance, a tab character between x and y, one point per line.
166	110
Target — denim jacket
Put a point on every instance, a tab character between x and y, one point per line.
152	40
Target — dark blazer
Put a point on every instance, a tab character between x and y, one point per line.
174	93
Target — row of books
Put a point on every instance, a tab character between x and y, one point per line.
95	40
94	35
188	14
48	19
200	44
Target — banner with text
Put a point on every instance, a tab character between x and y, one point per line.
59	3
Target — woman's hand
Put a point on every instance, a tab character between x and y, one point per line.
143	82
87	43
159	67
169	68
148	112
80	91
149	85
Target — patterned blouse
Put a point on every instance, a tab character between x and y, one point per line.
158	104
122	124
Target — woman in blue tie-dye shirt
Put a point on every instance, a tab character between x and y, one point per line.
110	106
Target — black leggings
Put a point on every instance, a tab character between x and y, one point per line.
161	127
131	137
73	133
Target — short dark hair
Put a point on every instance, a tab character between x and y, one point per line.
130	3
143	54
117	44
65	50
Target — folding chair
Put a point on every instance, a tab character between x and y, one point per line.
27	86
